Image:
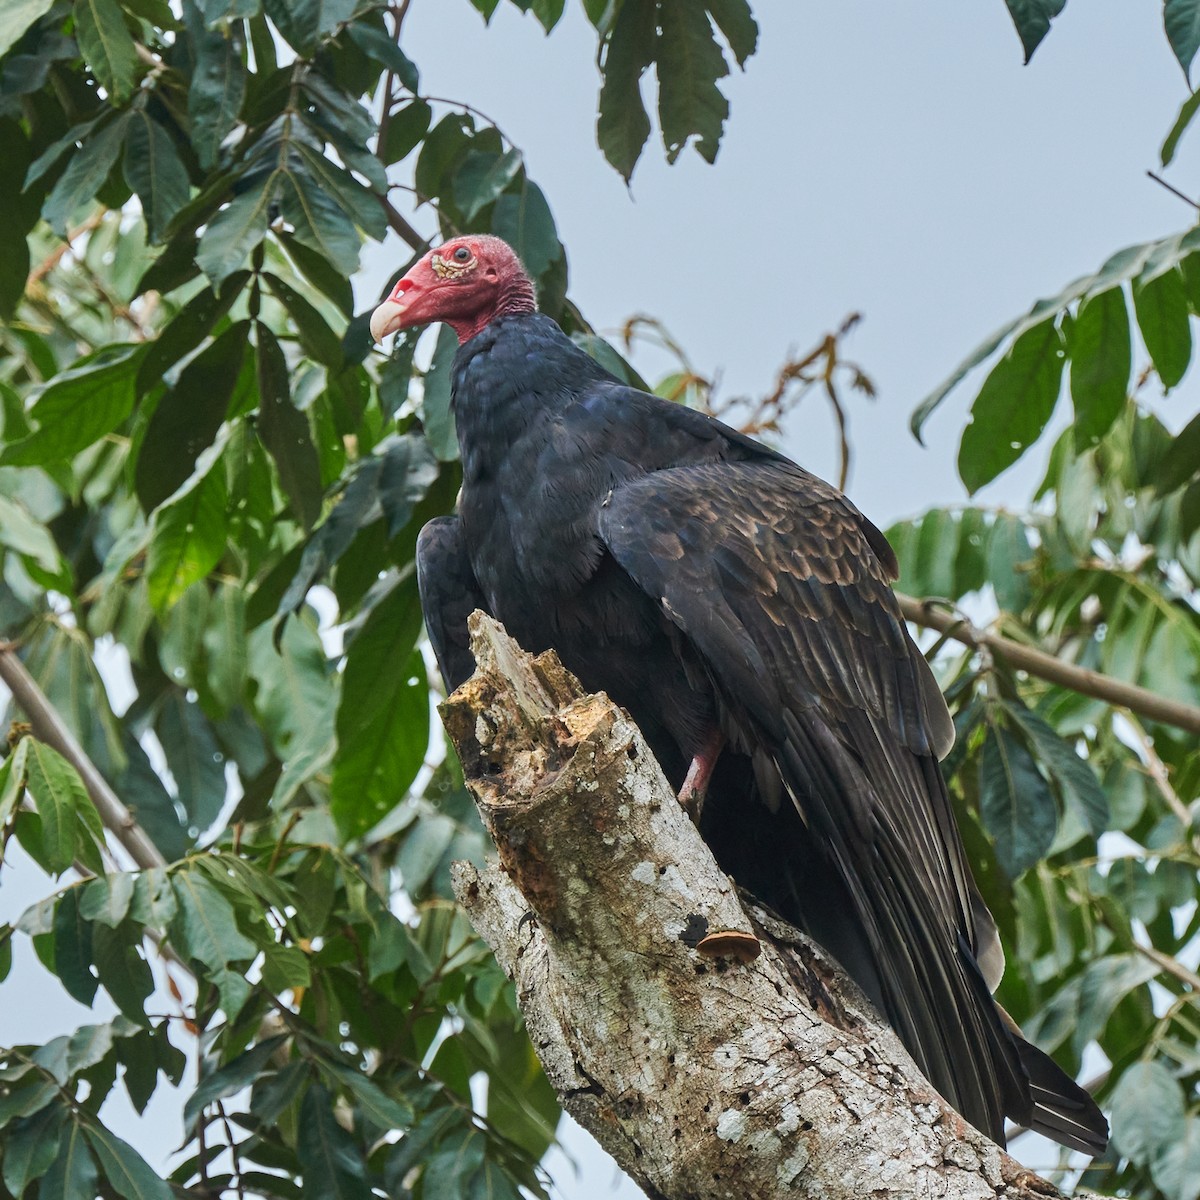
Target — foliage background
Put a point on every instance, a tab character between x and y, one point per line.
224	549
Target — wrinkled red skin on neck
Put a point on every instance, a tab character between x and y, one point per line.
515	297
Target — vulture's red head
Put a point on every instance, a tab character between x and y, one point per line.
466	282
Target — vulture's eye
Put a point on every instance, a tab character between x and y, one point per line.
462	254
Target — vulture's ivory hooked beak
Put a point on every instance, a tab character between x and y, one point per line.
387	318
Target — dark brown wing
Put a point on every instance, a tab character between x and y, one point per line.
781	586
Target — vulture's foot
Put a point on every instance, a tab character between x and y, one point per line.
695	785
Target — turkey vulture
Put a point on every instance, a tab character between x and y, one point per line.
740	608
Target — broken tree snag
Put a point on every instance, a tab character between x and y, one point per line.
704	1074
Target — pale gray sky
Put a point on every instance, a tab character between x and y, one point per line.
890	158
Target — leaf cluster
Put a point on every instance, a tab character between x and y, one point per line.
1081	819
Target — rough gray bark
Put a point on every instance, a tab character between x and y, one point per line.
703	1076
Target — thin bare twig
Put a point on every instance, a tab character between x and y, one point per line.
401	227
55	256
1157	770
1173	189
1171	966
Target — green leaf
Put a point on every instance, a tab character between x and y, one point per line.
1147	1111
1186	113
406	130
275	1092
303	22
57	148
194	758
12	781
150	804
218	84
127	1172
1009	558
32	1096
205	928
285	967
1182	460
1032	19
126	976
317	271
970	562
333	1166
319	341
441	148
525	222
107	898
189	537
689	64
1176	1168
482	177
491	1183
16	150
153	903
1164	320
155	171
1073	774
936	550
623	126
437	417
458	1156
375	43
284	430
984	350
107	45
1013	405
383	718
1123	265
72	1175
1015	802
388	1112
22	534
58	793
1181	19
237	229
409	471
19	15
548	12
186	422
186	330
78	407
319	221
1081	1009
1101	359
521	1104
735	20
355	201
296	695
30	1146
230	1079
73	948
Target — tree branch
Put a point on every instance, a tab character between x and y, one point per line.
401	227
49	727
1054	670
703	1076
